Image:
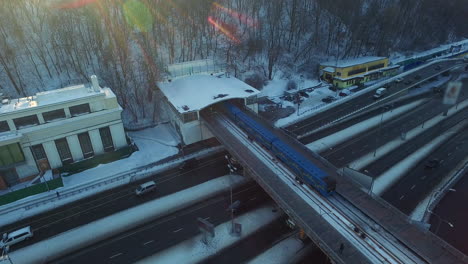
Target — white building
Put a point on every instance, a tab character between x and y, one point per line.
55	128
193	86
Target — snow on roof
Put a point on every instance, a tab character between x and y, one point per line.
351	62
52	97
328	69
10	137
195	92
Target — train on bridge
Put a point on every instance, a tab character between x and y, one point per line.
305	170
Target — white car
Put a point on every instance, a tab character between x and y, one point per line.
145	187
16	236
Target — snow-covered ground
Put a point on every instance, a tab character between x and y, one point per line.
347	133
195	251
109	226
153	143
280	253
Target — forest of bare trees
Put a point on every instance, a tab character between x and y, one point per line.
47	44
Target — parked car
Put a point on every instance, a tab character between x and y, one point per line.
328	99
432	163
344	92
17	236
303	94
145	188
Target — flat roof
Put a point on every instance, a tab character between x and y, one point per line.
351	62
53	96
195	92
329	69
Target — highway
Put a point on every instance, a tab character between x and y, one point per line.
379	166
109	202
373	138
318	120
418	182
452	208
167	231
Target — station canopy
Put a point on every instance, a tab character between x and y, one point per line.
195	92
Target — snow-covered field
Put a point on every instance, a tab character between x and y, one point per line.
280	253
153	143
195	251
107	227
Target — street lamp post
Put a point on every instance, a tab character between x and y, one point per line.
431	199
440	221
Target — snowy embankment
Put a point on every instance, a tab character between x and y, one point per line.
345	134
396	143
72	240
194	251
280	253
391	176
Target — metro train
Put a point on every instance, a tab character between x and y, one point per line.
305	170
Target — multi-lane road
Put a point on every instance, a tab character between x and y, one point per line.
170	230
107	203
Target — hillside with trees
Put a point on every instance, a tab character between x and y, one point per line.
51	44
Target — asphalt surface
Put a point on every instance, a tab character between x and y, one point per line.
165	232
354	120
109	202
252	245
452	209
323	118
381	165
419	181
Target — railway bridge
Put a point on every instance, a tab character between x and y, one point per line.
349	226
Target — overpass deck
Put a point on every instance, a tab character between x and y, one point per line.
319	230
429	247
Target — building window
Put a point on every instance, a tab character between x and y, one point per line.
11	154
86	146
4	126
378	66
338	73
251	100
38	152
64	151
54	115
357	71
80	109
26	121
191	116
106	138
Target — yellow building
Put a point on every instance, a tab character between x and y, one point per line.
345	73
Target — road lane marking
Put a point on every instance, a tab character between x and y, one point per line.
253	199
146	243
207	218
116	255
177	230
412	187
402	197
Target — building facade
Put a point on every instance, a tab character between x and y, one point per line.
194	86
345	73
55	128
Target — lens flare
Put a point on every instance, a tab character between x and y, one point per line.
74	4
224	29
245	19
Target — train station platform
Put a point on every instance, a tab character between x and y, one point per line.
430	248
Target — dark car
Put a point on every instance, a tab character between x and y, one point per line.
432	164
328	99
303	94
417	77
407	82
437	67
188	164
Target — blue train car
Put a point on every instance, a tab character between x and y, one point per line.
303	168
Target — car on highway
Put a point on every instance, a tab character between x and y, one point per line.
432	164
417	77
328	99
437	67
380	92
399	80
15	237
145	188
408	82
